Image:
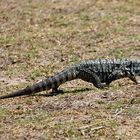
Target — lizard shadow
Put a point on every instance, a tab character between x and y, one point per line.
61	92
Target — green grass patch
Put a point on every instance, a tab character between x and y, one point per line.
117	104
4	112
37	72
7	40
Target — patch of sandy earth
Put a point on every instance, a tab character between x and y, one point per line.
129	129
11	82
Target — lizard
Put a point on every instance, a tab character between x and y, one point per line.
99	72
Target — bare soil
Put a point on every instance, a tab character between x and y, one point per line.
39	38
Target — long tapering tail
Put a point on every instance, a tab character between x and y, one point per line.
50	83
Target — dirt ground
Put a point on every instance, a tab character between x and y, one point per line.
39	38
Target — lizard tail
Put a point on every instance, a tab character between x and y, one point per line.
50	83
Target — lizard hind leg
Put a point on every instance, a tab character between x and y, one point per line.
134	79
90	76
56	91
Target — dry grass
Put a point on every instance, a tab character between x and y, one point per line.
39	38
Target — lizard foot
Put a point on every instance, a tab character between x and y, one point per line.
56	92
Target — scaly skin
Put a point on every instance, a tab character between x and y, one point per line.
100	73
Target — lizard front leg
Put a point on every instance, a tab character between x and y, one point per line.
132	77
116	74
